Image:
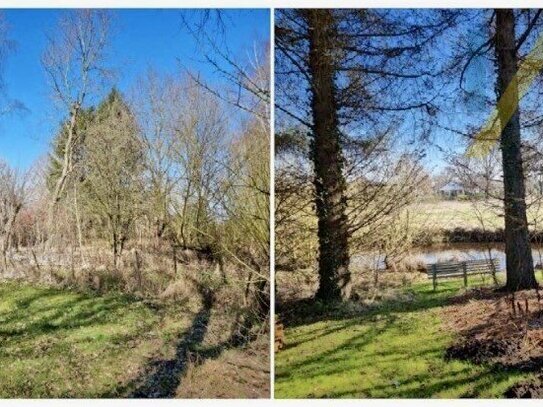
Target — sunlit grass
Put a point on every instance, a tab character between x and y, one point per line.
453	214
395	350
58	343
450	214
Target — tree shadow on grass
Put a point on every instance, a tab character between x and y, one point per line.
161	378
325	363
424	386
308	310
28	322
69	332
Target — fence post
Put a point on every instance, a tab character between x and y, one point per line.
494	265
138	269
434	276
174	257
465	270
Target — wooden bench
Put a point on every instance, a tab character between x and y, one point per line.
462	269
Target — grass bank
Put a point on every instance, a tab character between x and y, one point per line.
60	343
395	349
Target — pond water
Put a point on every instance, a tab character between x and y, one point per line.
448	252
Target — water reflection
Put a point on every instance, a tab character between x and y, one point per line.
448	252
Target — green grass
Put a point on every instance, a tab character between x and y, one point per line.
394	350
447	215
452	214
59	343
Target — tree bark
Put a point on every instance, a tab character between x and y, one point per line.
518	254
329	181
68	156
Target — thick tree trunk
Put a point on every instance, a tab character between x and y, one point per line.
519	263
330	185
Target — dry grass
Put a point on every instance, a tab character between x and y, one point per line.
238	373
303	284
501	328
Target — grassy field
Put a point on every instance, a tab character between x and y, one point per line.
57	343
453	214
393	350
449	214
61	343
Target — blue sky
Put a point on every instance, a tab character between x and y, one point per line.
459	111
142	39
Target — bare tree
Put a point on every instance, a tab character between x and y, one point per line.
243	195
157	102
246	201
7	45
245	80
12	199
74	63
199	151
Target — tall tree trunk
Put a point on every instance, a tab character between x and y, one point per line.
518	254
330	185
67	159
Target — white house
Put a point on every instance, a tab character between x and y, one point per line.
452	189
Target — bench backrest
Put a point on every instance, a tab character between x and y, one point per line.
453	269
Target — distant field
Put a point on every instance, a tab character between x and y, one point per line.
453	214
463	214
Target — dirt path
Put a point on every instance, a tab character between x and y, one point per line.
161	378
228	369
